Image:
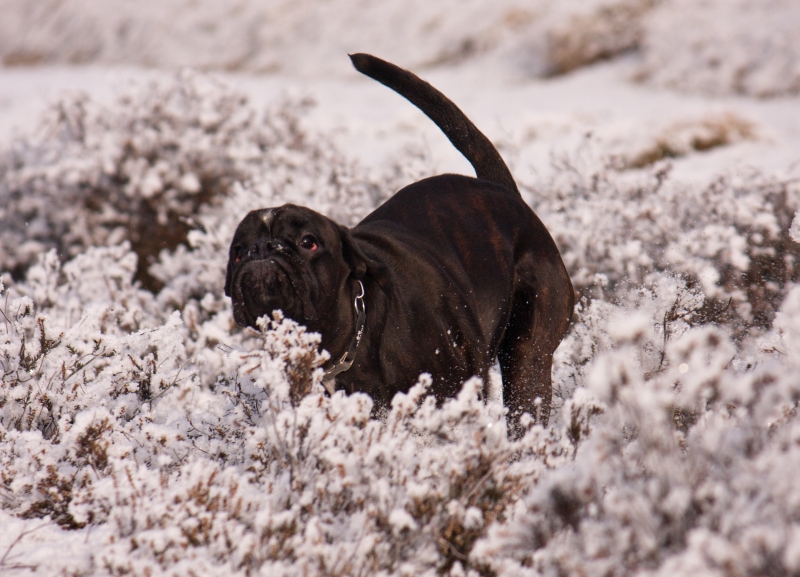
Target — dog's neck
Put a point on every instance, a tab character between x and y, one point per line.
346	360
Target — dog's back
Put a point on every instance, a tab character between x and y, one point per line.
465	230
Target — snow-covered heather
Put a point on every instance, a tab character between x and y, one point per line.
724	46
141	169
143	433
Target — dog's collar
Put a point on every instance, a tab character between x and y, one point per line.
347	359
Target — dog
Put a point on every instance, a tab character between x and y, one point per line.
448	276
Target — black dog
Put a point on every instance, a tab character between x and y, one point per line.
448	275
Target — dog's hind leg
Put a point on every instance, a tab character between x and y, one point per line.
525	364
539	318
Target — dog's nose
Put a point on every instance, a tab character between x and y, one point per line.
264	247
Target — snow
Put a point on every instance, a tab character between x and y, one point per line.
142	433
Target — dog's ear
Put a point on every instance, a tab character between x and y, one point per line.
359	262
352	253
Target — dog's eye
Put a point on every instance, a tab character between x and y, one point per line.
238	253
308	242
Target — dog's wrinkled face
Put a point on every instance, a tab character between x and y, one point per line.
289	258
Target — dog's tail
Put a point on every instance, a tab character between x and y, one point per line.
467	139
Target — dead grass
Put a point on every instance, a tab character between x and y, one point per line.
600	35
684	138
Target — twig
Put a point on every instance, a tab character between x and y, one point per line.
14	544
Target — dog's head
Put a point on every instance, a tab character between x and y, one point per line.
289	258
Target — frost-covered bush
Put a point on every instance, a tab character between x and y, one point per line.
655	464
137	172
109	427
724	46
144	434
142	169
688	471
729	238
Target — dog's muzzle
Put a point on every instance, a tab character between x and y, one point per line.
264	282
271	277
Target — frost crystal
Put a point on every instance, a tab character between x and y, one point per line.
794	230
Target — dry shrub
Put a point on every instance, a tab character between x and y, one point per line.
683	138
585	38
774	259
139	171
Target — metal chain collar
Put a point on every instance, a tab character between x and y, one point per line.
346	361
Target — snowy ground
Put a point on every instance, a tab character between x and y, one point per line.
539	117
143	434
